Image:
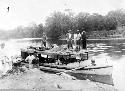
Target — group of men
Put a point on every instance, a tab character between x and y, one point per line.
77	40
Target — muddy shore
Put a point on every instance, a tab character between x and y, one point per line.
35	79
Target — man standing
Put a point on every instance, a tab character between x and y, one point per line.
77	40
70	40
44	38
83	40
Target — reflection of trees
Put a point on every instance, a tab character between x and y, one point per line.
114	51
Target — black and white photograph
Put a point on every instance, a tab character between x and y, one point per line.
62	45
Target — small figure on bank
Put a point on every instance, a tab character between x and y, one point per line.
83	40
44	38
31	58
70	40
5	60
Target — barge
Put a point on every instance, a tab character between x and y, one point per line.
76	63
61	58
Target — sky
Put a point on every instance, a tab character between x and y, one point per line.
25	12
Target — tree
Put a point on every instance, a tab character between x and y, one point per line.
58	24
110	23
118	16
82	21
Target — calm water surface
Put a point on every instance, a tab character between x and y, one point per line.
110	48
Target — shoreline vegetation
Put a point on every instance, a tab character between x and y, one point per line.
94	35
57	25
104	35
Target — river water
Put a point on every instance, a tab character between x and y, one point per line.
114	50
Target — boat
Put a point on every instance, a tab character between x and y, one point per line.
101	74
61	60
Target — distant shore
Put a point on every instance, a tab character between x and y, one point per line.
92	35
109	39
65	39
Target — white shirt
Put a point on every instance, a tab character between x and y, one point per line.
69	35
78	37
30	58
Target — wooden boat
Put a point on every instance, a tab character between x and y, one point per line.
70	64
101	74
63	55
68	60
61	58
100	70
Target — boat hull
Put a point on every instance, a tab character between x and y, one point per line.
104	70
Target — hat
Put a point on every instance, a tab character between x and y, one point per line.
69	30
77	31
31	51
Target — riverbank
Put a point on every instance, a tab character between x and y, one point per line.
35	79
102	35
111	34
92	35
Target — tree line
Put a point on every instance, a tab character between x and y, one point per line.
31	31
58	24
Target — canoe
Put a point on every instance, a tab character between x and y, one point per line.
97	74
100	70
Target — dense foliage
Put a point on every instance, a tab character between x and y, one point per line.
58	24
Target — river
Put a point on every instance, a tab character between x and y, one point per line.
114	50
